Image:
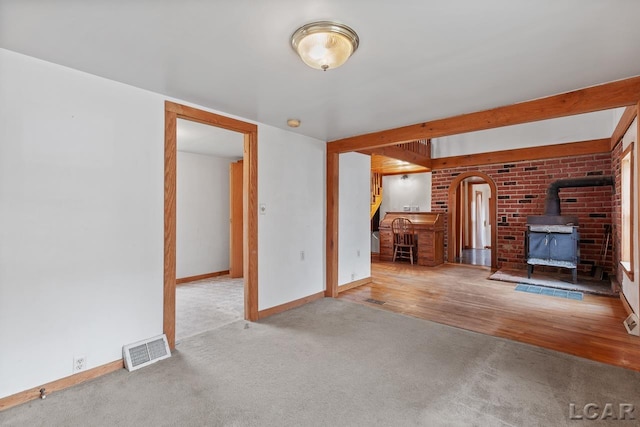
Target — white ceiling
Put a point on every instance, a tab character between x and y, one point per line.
193	137
418	60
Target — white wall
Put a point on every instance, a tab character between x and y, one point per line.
631	288
414	191
291	185
354	225
581	127
202	198
81	218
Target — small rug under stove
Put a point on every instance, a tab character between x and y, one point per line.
541	290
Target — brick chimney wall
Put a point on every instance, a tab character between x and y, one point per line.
521	188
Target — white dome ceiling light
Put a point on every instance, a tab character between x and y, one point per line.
323	45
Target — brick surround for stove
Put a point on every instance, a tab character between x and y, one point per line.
521	190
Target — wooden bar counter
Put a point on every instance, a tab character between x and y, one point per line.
429	229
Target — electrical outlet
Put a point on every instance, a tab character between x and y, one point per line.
358	252
301	255
353	276
79	364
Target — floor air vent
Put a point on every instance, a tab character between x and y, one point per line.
542	290
374	301
145	352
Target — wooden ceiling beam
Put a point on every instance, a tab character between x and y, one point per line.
401	154
595	146
616	94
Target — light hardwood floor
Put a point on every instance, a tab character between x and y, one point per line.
464	297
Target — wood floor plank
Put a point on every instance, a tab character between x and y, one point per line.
464	297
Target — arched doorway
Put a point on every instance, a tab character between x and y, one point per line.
466	220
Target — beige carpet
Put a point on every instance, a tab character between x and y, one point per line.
335	363
208	304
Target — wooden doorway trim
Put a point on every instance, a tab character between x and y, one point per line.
478	215
452	234
333	185
467	238
173	112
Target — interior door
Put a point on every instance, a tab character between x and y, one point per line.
458	229
479	222
235	220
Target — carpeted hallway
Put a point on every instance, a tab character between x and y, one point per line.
336	363
208	304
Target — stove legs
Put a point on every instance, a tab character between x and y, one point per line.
574	273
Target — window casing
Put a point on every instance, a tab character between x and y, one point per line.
627	202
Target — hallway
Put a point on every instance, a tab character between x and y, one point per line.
475	257
208	304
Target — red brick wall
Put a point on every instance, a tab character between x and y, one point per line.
521	191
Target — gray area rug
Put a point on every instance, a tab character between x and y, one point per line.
335	363
208	304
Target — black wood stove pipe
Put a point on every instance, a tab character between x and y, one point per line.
552	202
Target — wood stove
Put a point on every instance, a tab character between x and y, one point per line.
553	239
553	245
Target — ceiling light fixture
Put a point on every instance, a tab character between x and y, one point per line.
293	123
324	44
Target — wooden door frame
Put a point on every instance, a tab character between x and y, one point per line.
469	220
453	208
173	112
479	213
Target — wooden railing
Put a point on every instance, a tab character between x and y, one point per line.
420	146
376	192
415	152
